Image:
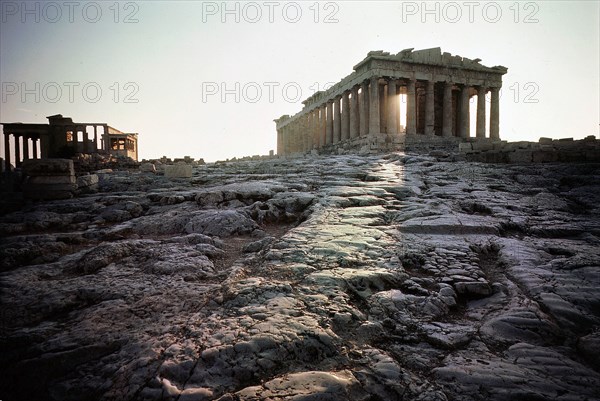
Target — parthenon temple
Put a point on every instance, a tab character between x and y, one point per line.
62	137
365	108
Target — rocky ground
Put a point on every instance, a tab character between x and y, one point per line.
391	277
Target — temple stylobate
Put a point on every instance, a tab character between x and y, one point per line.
363	109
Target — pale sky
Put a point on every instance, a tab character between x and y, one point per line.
191	80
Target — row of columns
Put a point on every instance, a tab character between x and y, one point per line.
20	150
375	109
86	138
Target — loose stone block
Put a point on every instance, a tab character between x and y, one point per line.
178	171
87	183
49	179
147	168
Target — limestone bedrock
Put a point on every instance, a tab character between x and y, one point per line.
387	277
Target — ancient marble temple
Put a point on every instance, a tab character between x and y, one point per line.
363	111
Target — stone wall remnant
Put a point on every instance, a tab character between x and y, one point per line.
49	179
546	150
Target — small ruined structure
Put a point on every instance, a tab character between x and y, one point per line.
119	143
362	111
62	137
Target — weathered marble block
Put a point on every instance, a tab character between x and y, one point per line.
49	179
178	171
147	168
88	183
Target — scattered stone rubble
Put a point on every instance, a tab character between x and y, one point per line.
90	162
390	277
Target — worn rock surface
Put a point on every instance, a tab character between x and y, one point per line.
391	277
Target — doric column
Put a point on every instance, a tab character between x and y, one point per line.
392	100
301	134
337	119
464	121
105	138
411	108
74	130
96	140
323	125
315	129
307	133
364	109
495	114
374	123
279	142
34	141
318	130
429	109
17	150
25	147
329	134
399	83
311	129
293	138
383	107
481	112
297	147
447	110
85	138
345	115
354	114
286	140
7	151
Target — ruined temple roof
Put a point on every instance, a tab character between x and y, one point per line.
433	56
